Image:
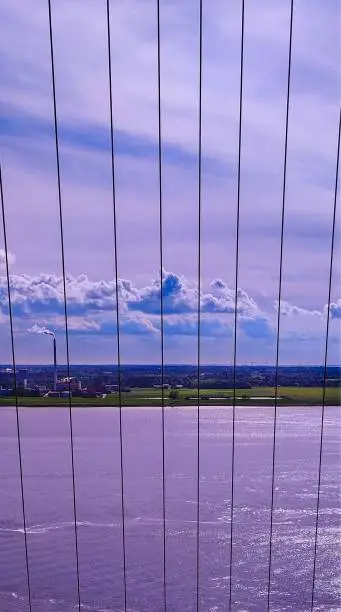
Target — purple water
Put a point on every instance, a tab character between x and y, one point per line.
45	439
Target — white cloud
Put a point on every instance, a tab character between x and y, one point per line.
45	293
335	309
289	310
10	257
38	304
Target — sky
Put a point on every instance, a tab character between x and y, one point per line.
30	189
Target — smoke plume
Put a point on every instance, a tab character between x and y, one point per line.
38	329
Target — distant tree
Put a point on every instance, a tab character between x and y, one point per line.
174	395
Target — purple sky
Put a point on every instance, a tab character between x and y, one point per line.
30	186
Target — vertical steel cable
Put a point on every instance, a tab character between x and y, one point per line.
161	302
236	298
117	306
325	365
16	394
65	298
279	305
199	308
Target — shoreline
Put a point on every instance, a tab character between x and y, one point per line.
179	405
167	407
152	398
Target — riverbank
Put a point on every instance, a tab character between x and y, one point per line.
257	396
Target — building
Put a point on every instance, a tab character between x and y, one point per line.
7	377
69	384
111	388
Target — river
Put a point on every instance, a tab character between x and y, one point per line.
45	441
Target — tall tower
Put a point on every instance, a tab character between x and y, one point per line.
54	364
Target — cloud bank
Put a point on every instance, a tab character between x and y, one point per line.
91	306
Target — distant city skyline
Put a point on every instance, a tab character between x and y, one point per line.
28	163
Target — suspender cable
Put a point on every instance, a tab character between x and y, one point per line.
325	367
279	306
117	308
161	302
236	298
199	309
65	299
16	393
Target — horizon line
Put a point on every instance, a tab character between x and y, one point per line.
194	365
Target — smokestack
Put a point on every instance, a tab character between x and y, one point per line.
54	364
38	329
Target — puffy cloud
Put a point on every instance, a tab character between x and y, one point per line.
245	304
45	293
91	307
257	327
187	325
179	297
288	309
335	309
10	256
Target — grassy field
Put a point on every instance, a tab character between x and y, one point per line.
258	396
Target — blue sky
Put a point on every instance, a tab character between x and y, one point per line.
30	188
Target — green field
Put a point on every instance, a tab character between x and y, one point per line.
258	396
